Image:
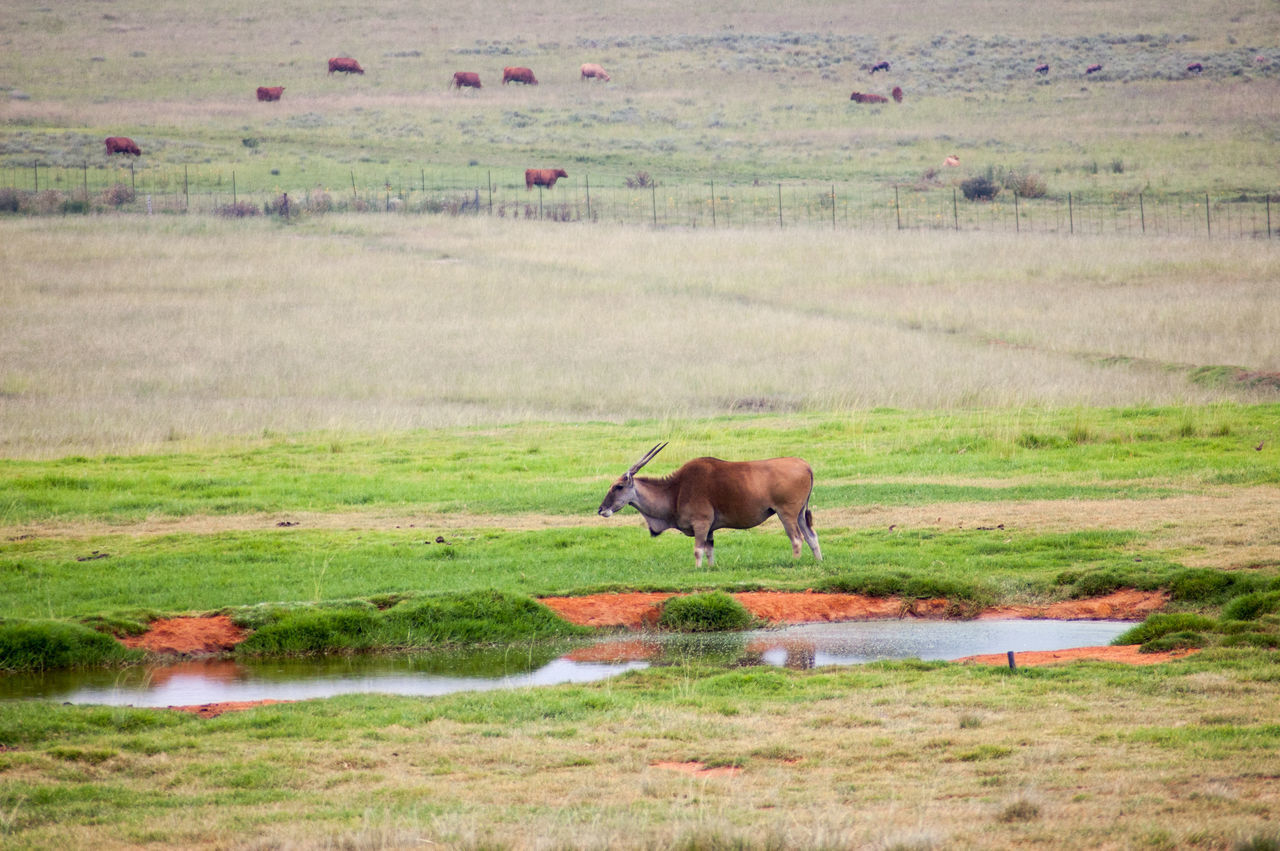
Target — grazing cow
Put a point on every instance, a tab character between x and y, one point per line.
707	494
859	97
591	70
345	64
518	75
952	161
880	66
897	94
1195	67
1092	69
270	92
1042	69
121	145
542	177
469	79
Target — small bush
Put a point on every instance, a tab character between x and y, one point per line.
1249	607
10	200
238	210
1184	640
117	195
48	645
713	612
1160	625
641	180
316	631
1026	185
1204	585
980	189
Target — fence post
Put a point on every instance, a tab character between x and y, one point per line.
1071	213
1208	228
233	189
86	180
1017	221
653	194
539	202
490	179
133	183
779	205
1268	215
35	170
955	208
897	207
713	203
1142	213
588	179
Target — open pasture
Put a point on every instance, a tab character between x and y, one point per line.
697	95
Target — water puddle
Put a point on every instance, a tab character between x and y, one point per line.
438	673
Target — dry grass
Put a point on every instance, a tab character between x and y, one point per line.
137	331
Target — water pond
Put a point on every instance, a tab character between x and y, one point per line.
436	673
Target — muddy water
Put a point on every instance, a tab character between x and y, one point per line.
437	673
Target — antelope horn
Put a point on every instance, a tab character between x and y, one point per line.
648	456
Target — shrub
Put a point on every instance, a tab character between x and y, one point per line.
238	210
46	645
10	200
482	616
315	631
980	189
319	202
1248	607
117	195
1204	585
1161	625
713	612
1025	185
641	180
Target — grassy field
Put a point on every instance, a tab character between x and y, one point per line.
741	95
355	419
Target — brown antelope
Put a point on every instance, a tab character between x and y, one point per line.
707	494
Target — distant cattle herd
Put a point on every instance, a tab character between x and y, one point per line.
588	71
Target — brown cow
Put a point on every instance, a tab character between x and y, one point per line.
1042	69
1093	69
518	75
1195	67
270	92
897	94
880	66
467	79
121	145
542	177
345	64
591	70
859	97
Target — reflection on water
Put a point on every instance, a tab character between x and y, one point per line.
440	672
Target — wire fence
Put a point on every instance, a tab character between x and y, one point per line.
640	200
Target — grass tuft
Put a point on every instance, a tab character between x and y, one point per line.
713	612
48	645
481	617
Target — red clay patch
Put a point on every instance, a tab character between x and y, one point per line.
213	710
189	636
639	610
1127	654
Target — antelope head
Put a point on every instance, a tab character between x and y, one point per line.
624	489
